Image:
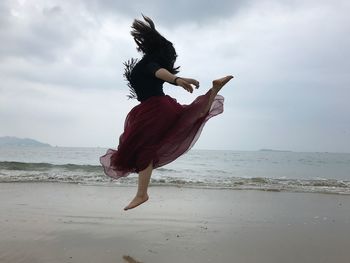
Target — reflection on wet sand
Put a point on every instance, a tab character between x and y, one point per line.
130	259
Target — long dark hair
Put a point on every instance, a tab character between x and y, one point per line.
153	45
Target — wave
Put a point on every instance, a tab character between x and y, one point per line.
265	184
20	166
93	175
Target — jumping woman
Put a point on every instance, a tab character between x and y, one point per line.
159	129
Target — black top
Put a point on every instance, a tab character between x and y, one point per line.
144	81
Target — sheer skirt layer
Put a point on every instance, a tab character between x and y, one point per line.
158	129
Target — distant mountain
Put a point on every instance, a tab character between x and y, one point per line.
14	141
271	150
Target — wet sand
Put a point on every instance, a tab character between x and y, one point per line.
55	222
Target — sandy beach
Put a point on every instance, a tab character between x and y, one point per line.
57	222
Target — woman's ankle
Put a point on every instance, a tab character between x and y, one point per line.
141	194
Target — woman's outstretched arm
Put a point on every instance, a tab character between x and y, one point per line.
165	75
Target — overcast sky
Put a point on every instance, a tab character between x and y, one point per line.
61	66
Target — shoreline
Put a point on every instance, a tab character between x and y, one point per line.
50	222
328	190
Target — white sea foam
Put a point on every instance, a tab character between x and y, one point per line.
269	171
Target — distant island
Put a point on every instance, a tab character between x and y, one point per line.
271	150
14	141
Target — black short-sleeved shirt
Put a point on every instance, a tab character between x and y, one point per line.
144	81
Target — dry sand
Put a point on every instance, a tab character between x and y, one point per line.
55	222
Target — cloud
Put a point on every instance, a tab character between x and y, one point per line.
170	14
62	115
55	44
36	33
290	60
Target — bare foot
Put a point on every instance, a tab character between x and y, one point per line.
138	200
219	83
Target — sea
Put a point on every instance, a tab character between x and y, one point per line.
265	170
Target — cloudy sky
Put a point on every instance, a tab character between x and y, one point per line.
61	69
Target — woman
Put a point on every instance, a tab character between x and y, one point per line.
159	129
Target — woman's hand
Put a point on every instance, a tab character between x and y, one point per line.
187	83
192	81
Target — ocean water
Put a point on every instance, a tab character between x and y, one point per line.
236	170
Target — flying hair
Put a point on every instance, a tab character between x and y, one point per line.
151	43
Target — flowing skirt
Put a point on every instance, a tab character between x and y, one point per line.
158	130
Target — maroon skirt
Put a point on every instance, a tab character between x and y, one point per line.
158	129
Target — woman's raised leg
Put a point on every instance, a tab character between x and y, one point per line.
141	195
217	85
